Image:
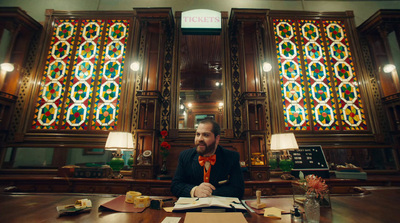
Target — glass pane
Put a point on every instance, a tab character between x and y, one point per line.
5	41
201	86
33	158
395	50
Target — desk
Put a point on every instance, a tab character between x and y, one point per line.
381	205
274	186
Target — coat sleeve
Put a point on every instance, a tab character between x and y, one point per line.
179	186
235	186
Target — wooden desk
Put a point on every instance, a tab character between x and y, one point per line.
381	205
274	186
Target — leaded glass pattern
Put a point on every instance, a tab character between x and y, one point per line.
349	98
319	84
292	82
50	101
106	105
332	96
93	82
83	76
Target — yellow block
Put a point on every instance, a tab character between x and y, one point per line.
142	201
130	196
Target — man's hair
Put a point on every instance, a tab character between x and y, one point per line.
216	129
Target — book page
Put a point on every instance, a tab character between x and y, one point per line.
185	203
226	202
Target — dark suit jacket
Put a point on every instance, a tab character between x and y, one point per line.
189	173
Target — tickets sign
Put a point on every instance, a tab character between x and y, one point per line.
201	19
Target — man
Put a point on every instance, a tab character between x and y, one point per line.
208	169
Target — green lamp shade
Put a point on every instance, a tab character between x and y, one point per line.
286	165
117	163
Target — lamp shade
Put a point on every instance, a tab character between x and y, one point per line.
119	141
7	67
283	141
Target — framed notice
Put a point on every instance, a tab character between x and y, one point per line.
310	160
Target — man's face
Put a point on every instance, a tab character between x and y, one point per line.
205	140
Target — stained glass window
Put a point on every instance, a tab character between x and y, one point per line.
318	81
81	84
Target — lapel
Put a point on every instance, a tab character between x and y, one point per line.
217	169
196	168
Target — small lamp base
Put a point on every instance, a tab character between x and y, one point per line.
287	176
116	175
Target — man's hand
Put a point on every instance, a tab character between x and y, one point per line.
204	190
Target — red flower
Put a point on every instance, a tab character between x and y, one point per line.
165	144
316	185
164	133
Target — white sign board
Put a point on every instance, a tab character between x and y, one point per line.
201	19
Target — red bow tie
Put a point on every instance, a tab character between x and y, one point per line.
211	159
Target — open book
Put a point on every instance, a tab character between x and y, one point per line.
227	203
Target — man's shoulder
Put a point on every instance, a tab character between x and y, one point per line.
228	152
188	152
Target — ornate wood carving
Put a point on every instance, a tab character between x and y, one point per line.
167	78
235	70
138	81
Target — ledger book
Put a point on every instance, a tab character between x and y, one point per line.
193	203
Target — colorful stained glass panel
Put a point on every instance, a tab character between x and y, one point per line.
112	69
343	71
56	69
320	92
290	70
287	49
313	51
317	70
50	100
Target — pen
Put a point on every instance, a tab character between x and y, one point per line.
233	207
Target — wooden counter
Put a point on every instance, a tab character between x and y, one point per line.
274	186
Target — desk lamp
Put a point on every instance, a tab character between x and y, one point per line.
284	142
118	141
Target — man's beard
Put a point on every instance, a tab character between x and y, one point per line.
208	148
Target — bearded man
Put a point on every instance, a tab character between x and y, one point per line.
208	169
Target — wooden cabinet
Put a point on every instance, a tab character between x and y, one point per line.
155	26
143	171
19	34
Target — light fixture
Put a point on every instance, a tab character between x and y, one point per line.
8	67
267	67
190	105
118	141
389	68
135	66
220	106
284	142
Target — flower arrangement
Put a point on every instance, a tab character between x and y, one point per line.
313	184
316	185
165	146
